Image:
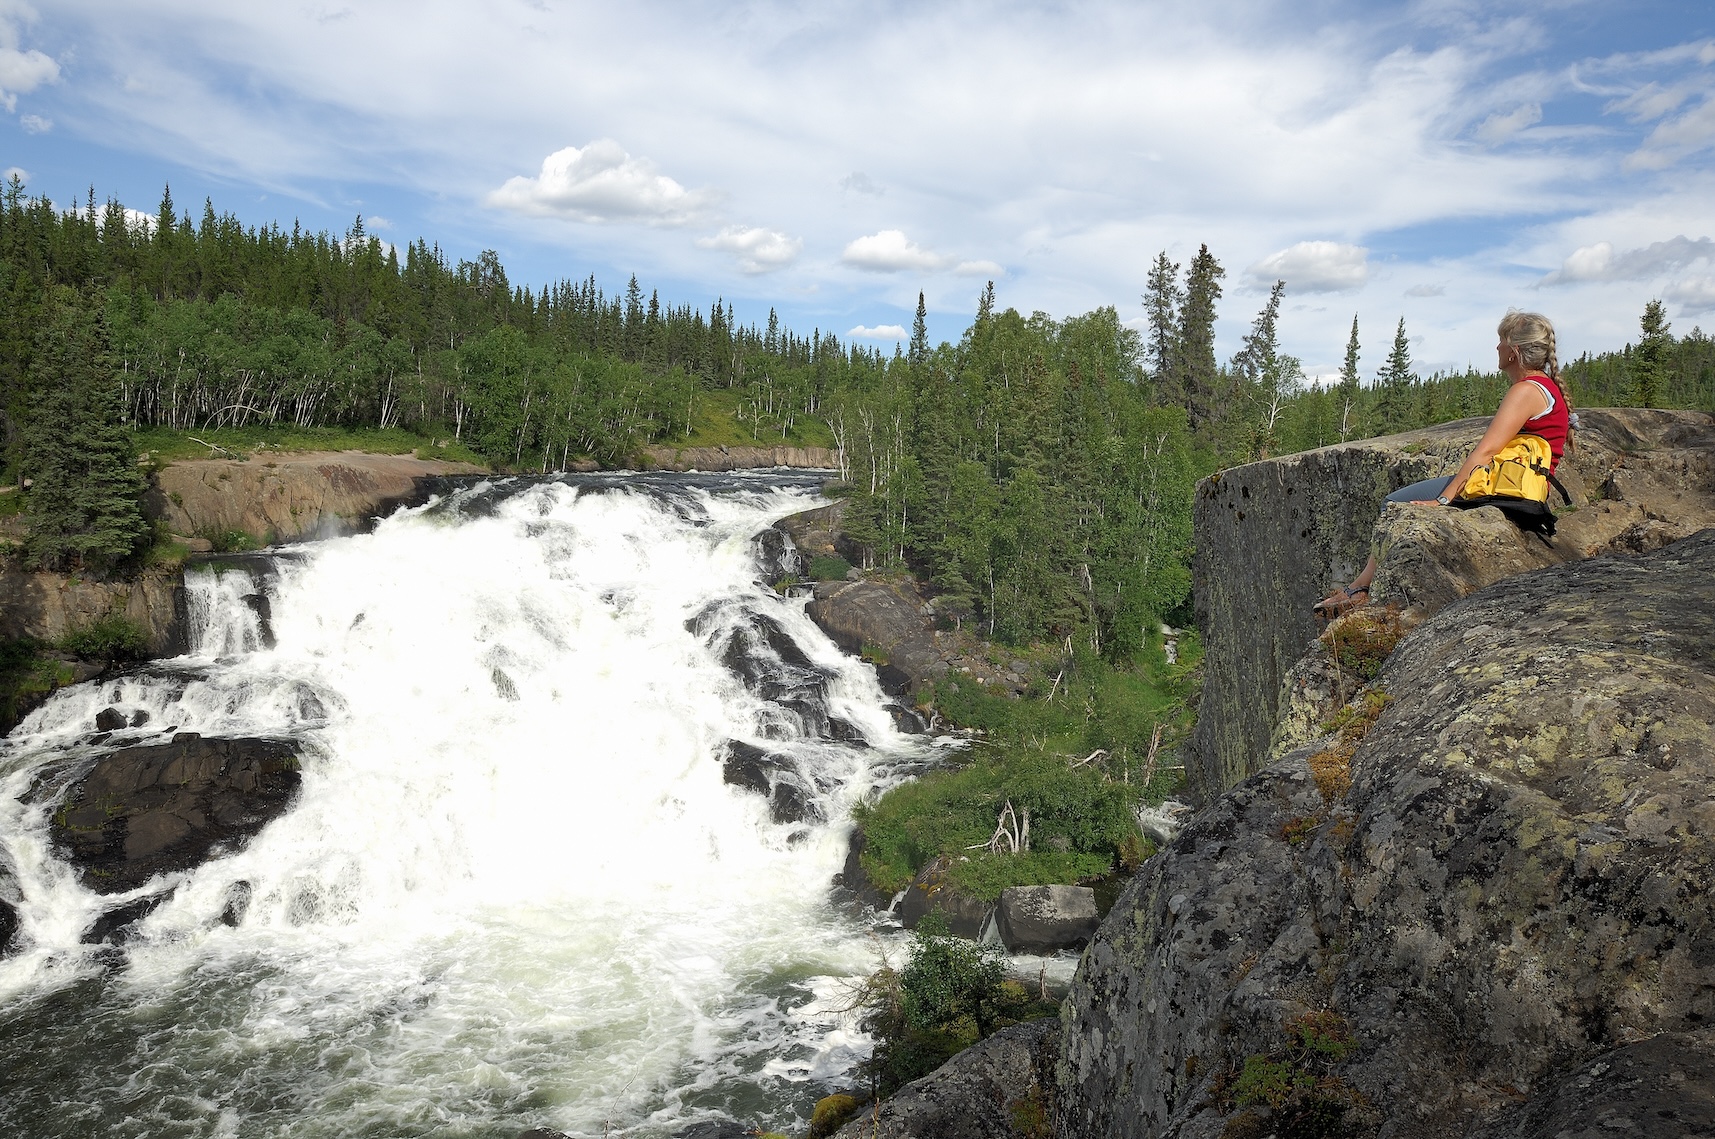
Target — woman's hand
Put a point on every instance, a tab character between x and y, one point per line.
1426	502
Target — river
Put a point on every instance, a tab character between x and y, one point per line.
514	890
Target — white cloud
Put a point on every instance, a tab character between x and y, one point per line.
1499	127
35	124
1599	262
1694	295
1426	291
1315	267
1677	138
21	71
17	172
879	332
137	219
376	221
890	251
601	183
758	250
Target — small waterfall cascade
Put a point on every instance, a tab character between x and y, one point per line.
574	782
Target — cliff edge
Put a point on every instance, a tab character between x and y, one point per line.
1511	875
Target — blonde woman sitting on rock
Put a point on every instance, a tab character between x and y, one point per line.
1534	403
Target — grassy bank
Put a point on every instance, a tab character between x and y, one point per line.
1074	753
165	445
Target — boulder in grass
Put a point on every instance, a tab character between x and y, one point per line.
1046	919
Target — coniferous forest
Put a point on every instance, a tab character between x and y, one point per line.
1038	473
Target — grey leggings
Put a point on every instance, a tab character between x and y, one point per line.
1421	491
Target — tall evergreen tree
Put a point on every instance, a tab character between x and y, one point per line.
1649	360
919	352
1161	301
1394	384
1349	389
83	506
1196	340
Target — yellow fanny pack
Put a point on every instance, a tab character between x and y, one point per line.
1516	480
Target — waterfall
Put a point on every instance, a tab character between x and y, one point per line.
519	886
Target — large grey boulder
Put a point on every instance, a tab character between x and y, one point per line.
884	620
153	808
1274	536
1520	878
999	1088
1045	919
933	891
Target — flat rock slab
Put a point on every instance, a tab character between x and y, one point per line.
1046	919
1660	1088
153	808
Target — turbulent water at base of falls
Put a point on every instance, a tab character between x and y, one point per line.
514	890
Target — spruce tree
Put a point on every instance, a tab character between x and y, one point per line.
1349	388
919	352
1649	362
83	508
1394	383
1161	304
1196	340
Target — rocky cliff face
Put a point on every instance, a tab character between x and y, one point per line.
1513	874
289	496
738	458
1273	537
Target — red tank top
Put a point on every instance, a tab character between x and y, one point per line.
1552	424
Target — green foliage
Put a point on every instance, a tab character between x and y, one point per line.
113	637
1082	818
26	671
231	541
949	994
831	1113
829	568
1271	1082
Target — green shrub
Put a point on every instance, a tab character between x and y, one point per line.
829	567
230	541
113	637
831	1113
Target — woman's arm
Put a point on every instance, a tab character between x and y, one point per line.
1523	400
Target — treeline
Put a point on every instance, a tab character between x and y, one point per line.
1038	472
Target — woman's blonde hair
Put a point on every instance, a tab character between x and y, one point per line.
1532	336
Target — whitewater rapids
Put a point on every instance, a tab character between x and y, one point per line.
515	890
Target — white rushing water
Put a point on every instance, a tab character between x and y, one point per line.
515	889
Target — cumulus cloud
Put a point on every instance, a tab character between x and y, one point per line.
1694	295
890	251
601	183
35	124
879	332
1315	267
1426	291
1599	262
17	172
758	250
1499	127
21	71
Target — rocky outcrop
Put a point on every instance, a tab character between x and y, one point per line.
999	1088
1045	919
153	808
1512	875
1274	536
1660	1088
886	622
47	606
933	892
738	458
284	497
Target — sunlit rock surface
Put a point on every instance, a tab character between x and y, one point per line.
1520	879
1274	537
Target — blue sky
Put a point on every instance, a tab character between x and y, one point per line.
1440	161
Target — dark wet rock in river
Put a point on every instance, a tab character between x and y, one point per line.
773	776
1045	919
886	622
8	927
776	554
1519	879
999	1088
113	927
152	808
